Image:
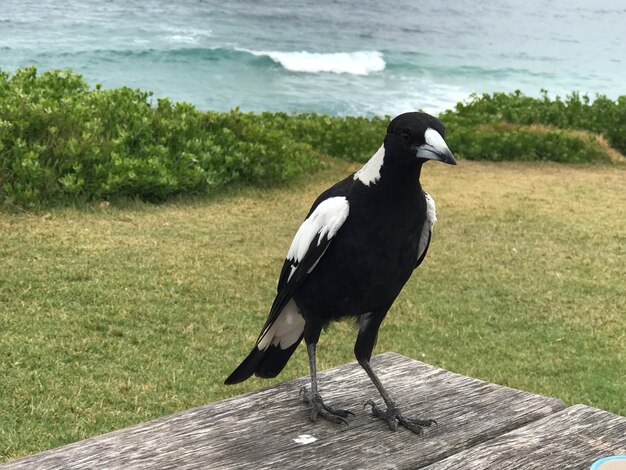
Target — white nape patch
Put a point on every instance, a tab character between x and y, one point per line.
431	218
434	139
325	220
370	172
305	439
285	330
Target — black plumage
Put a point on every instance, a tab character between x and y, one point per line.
355	250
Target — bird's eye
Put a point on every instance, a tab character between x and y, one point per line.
406	136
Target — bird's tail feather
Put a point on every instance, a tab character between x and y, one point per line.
264	363
246	368
275	360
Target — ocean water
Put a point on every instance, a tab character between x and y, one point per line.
360	57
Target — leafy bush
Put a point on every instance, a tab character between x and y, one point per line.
603	116
348	138
62	141
525	143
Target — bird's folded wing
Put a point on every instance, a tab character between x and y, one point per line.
307	248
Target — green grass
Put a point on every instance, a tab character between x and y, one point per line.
112	316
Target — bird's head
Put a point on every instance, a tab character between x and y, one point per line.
418	136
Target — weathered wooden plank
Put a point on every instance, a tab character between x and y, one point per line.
570	439
270	429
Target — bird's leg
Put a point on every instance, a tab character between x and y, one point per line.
368	329
318	408
392	414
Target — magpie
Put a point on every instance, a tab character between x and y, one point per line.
355	250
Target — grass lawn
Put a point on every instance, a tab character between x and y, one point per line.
113	316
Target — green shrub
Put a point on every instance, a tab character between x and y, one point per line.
602	116
348	138
64	142
525	143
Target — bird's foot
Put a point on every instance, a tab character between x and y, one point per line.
318	408
393	417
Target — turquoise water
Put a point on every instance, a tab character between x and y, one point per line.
337	57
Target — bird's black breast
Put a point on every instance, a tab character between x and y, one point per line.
371	257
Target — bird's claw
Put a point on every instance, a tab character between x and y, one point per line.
319	408
393	417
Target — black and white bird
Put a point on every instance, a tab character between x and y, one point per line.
357	247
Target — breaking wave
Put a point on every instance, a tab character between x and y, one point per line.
354	63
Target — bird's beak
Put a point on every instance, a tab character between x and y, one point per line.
435	148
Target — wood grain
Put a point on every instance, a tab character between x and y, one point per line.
570	439
270	428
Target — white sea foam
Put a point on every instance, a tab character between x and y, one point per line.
355	63
409	94
185	35
183	38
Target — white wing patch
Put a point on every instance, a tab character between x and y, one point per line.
285	330
370	172
431	218
325	220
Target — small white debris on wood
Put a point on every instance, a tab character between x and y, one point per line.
305	439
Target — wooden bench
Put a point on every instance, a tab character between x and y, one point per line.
481	425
